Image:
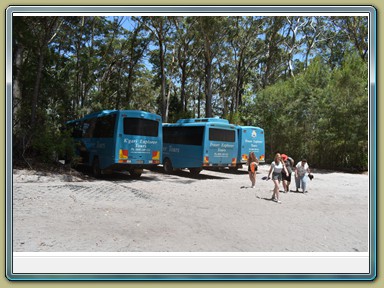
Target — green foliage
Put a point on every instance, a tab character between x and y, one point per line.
51	145
234	118
321	115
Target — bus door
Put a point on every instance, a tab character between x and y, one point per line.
139	141
103	140
81	149
86	146
222	147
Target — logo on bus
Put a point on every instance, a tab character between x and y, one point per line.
254	133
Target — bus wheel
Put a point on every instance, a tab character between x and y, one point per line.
96	168
136	173
168	168
195	171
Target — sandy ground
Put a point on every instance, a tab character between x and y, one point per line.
213	212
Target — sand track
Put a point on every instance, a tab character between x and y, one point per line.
213	212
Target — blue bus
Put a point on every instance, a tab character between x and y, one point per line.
118	140
251	139
199	143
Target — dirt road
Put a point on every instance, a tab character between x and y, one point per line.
213	212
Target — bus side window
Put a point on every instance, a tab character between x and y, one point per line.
184	135
193	136
88	128
77	131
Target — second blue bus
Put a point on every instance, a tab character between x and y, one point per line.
251	139
110	140
199	143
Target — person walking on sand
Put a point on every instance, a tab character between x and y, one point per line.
289	162
276	167
252	163
301	170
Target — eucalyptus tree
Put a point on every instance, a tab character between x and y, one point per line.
32	37
212	33
22	43
333	44
130	50
272	63
186	51
144	95
160	27
91	43
197	84
313	32
356	29
41	31
293	39
110	62
245	51
35	81
19	45
226	87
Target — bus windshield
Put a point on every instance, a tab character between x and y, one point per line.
221	135
143	127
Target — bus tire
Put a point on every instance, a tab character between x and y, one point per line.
168	168
96	171
195	171
135	173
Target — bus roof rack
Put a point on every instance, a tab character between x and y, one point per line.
107	112
197	120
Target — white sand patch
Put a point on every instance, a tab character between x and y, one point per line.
214	212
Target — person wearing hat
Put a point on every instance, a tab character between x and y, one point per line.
301	172
289	162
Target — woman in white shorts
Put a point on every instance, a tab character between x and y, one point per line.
276	167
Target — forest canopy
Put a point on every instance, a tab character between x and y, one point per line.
303	79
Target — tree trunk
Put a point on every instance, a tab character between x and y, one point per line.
37	87
16	83
182	92
164	109
239	83
198	100
208	89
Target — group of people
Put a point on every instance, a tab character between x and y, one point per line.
281	171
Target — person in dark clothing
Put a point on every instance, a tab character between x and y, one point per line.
286	177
